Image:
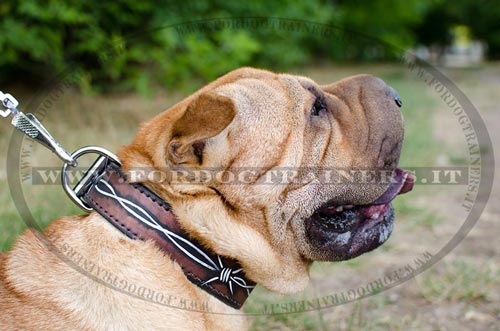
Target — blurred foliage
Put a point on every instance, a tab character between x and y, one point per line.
386	21
130	44
480	16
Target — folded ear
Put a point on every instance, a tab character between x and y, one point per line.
204	118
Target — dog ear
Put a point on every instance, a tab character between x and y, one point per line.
204	118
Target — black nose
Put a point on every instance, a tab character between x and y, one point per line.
394	94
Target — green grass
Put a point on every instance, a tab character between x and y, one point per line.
419	217
310	321
461	281
366	315
362	317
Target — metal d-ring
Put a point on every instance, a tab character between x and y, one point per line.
71	192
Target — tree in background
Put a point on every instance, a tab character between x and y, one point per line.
131	44
389	21
483	20
480	16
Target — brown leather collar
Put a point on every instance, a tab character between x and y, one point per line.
141	214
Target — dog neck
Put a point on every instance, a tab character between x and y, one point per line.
142	215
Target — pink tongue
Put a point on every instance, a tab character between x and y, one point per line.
401	182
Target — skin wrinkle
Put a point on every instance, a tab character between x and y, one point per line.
339	119
380	160
277	162
287	189
368	135
267	224
330	118
393	153
229	164
287	222
225	201
324	152
304	132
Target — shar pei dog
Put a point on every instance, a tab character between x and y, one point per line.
297	180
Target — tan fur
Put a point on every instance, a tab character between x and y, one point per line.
247	118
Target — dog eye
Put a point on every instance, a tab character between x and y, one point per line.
317	107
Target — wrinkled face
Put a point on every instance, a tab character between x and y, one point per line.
319	160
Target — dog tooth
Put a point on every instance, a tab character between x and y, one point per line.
341	208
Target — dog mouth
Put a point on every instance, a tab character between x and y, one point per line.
343	232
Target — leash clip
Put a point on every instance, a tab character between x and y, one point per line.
10	103
33	128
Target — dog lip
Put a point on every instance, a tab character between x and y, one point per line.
401	182
340	233
368	227
350	219
373	231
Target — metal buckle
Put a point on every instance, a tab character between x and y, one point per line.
95	171
31	127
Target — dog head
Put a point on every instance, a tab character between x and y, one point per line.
277	171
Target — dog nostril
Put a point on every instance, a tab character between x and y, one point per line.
398	102
395	96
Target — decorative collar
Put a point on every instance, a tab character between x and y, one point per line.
142	215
